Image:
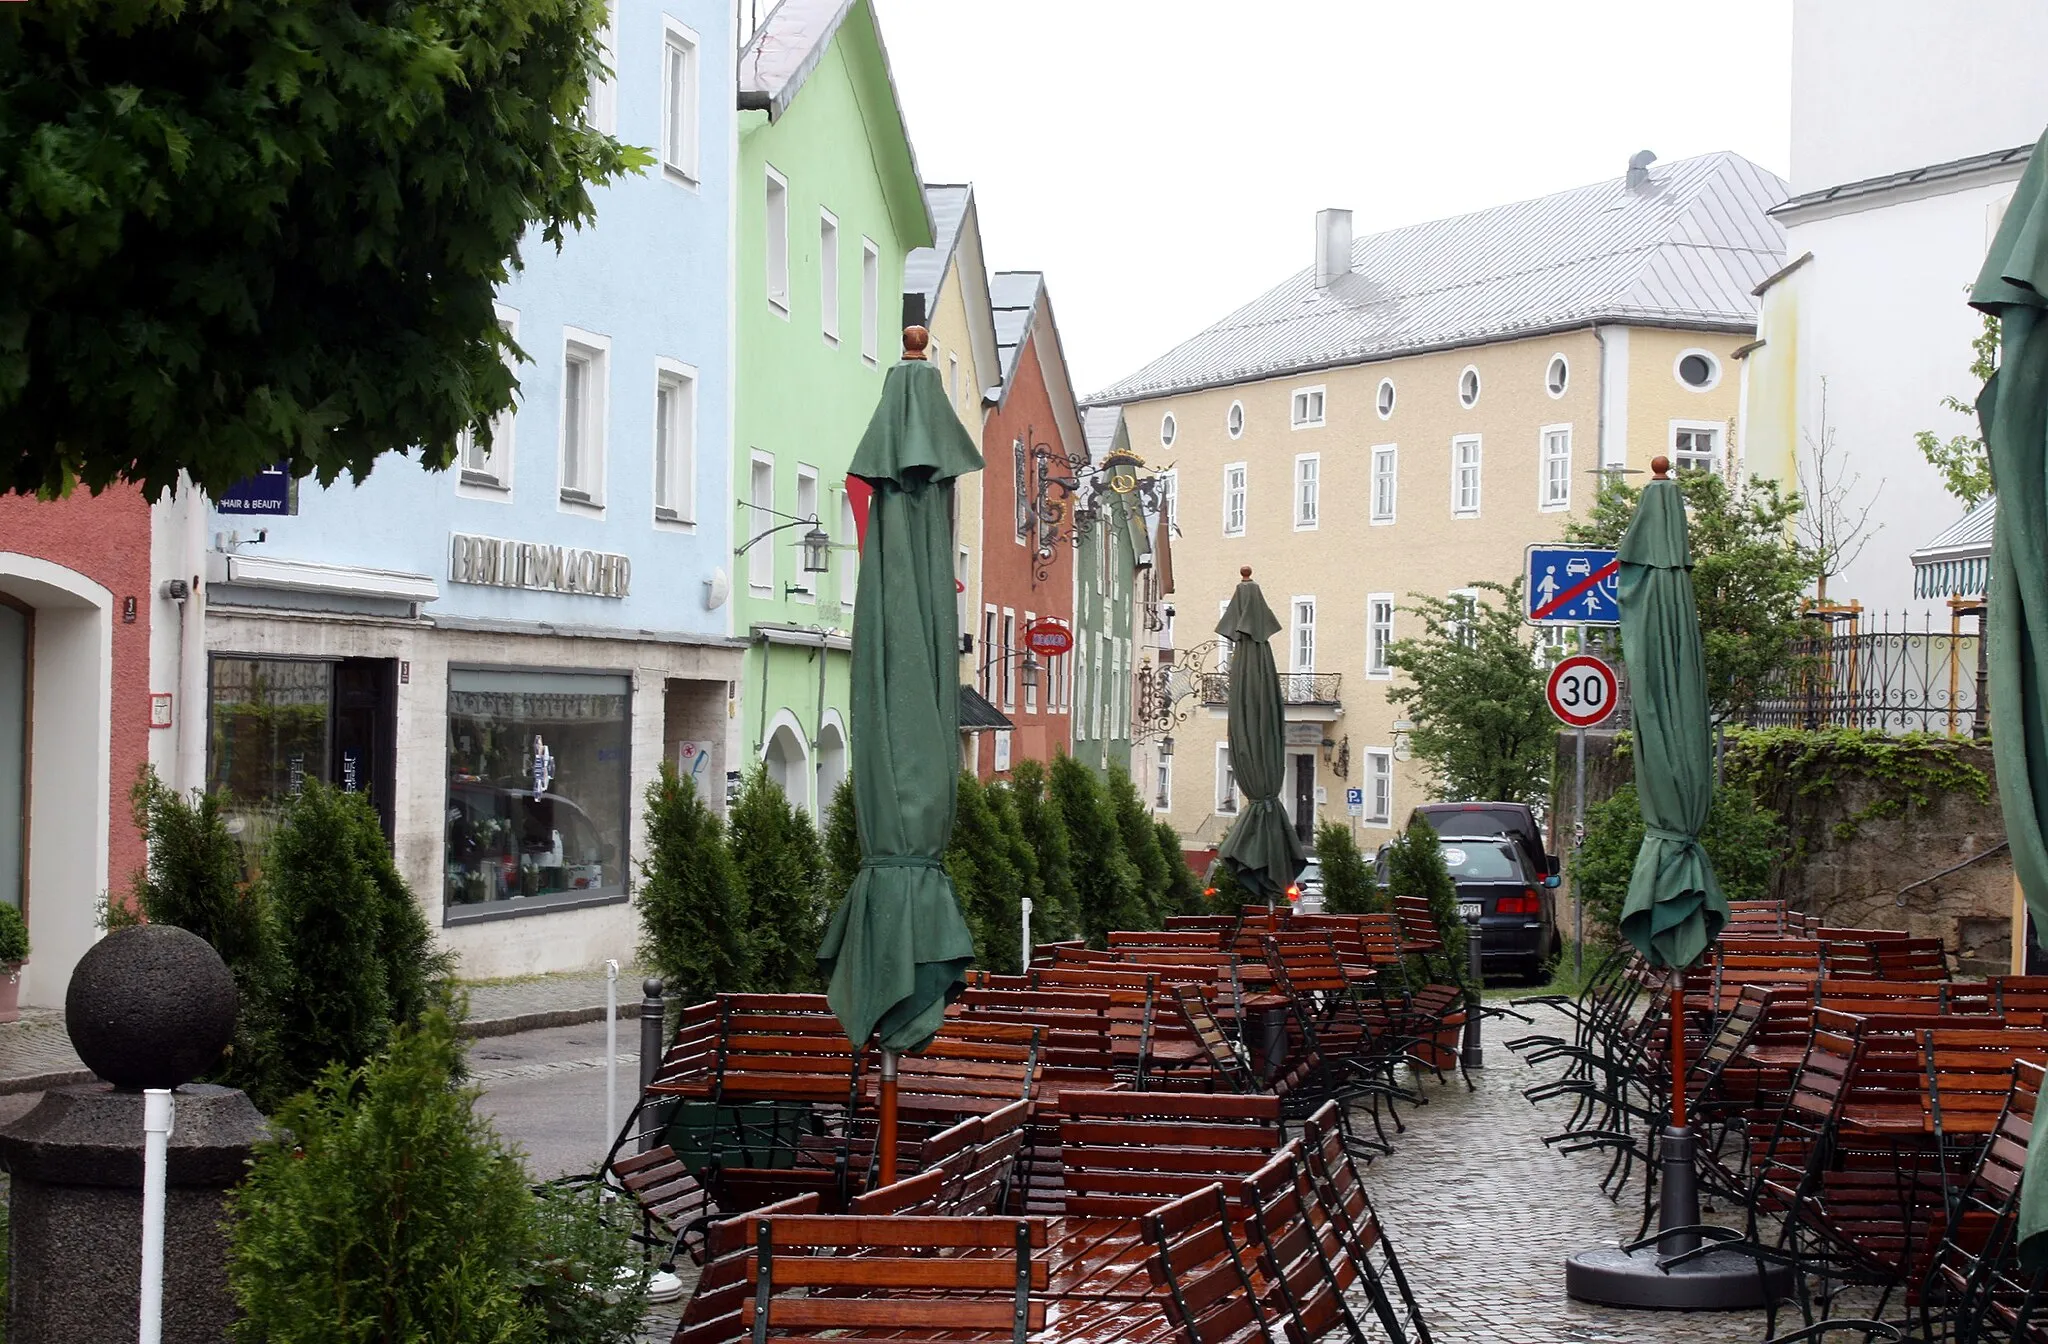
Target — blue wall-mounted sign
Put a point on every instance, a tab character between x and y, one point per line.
268	491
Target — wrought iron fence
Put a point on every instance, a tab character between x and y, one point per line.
1296	688
1889	680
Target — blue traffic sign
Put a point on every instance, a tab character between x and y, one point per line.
1571	585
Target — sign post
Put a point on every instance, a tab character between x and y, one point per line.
1582	691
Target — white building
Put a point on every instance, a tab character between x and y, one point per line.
1907	139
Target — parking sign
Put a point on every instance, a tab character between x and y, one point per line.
1571	585
1354	802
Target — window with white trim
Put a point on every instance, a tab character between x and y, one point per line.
1385	481
1696	447
491	467
962	558
1379	635
1169	430
1307	408
776	224
584	383
1008	661
1031	687
1468	387
760	494
1465	608
806	584
1233	499
1162	786
1379	787
953	380
679	92
1223	645
1383	399
1105	679
1555	483
828	276
602	110
675	442
1308	471
1083	687
1465	476
989	651
1233	419
1558	376
870	301
1226	782
1169	499
1302	641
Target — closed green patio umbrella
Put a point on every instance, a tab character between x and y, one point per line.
2014	409
897	949
1262	849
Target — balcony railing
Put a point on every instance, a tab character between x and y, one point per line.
1296	688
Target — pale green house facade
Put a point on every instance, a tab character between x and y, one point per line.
1112	553
829	202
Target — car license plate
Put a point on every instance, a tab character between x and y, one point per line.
1471	909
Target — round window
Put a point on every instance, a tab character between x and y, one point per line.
1385	401
1558	376
1697	369
1468	387
1167	430
1234	421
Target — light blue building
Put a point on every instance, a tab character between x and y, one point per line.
501	654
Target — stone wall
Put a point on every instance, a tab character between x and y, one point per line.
1883	875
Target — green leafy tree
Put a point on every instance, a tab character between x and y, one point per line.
1141	843
1348	886
343	1234
1962	460
272	231
1749	570
1106	882
1474	689
842	845
1183	891
989	888
781	867
1744	841
693	910
1055	914
1415	867
1002	803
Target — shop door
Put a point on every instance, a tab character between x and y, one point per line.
366	732
14	674
1305	798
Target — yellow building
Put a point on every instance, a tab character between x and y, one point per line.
1410	413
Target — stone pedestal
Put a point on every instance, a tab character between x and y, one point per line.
75	1214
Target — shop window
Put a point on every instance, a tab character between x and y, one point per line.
538	782
275	723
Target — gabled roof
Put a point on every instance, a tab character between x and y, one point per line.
924	269
1957	562
1014	295
1100	424
1684	250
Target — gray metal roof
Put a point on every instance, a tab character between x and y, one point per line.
2007	161
1099	425
924	268
784	51
1014	296
1957	562
977	714
1684	251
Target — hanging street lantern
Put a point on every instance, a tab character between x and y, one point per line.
817	550
1028	670
1166	747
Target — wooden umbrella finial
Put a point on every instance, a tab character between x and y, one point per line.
1245	573
915	339
1660	467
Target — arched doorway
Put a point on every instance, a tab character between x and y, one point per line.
789	764
831	759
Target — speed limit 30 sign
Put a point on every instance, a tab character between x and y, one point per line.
1582	690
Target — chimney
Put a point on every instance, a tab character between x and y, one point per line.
1333	246
1639	168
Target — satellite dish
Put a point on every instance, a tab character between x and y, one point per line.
716	589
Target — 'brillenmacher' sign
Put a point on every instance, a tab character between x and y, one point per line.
526	564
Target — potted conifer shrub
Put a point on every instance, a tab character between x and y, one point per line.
13	952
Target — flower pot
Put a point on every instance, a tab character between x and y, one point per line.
10	991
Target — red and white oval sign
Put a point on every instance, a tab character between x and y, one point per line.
1582	690
1050	638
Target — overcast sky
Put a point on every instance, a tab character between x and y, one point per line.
1162	160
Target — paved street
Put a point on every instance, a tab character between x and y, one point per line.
545	1092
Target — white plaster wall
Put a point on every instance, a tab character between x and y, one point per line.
177	638
1880	86
1884	318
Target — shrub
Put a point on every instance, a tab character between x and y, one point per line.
1183	893
13	935
1055	912
1106	882
1141	843
1744	841
385	1210
693	912
1415	867
1348	886
1002	803
193	878
987	885
842	845
781	867
1224	895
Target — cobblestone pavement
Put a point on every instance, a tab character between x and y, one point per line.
35	1052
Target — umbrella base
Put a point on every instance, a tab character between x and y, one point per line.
1718	1281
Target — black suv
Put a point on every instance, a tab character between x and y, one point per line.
1512	903
1516	820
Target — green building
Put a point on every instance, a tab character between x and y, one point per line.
1113	552
829	201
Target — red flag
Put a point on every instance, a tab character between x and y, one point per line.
858	493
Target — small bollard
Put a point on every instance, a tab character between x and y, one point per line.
1474	1055
653	1019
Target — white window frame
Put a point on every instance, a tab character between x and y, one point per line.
1458	628
1007	666
1162	784
1243	491
1307	407
1713	364
1105	680
1297	627
1169	430
1378	650
675	507
761	554
775	231
593	431
602	109
870	302
1546	501
1557	393
1458	444
1030	692
1222	645
953	380
679	134
1390	454
1228	798
1379	765
988	678
1714	427
1392	398
1233	420
1169	498
1082	686
1308	491
806	584
1478	386
489	475
828	276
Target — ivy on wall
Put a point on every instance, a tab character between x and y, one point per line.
1798	773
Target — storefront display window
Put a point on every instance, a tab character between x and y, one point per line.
538	784
269	735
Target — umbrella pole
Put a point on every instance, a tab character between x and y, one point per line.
1677	1049
886	1138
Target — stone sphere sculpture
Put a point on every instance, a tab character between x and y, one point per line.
150	1006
